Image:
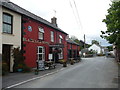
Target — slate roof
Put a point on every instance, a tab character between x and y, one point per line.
72	42
22	11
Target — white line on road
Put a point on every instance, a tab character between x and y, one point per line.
34	78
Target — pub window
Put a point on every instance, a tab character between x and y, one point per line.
41	53
7	23
61	53
41	33
52	36
60	39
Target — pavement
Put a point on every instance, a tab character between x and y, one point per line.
14	78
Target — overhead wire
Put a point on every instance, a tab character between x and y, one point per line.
76	15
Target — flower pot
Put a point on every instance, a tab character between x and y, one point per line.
36	72
64	64
20	70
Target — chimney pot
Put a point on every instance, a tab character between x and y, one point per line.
54	21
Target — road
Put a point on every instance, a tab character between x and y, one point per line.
97	72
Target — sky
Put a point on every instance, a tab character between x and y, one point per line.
76	17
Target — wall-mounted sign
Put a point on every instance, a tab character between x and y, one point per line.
50	56
57	45
29	28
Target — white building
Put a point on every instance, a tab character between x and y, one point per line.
115	0
10	32
97	48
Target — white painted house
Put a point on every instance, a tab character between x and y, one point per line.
10	31
99	49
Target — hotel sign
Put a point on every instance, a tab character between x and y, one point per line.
57	45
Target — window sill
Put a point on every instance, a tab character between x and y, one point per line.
8	34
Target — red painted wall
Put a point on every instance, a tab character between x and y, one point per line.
30	47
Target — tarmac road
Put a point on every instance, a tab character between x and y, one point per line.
97	72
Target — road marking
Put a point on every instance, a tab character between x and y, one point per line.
14	85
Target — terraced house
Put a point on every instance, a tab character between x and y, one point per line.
37	37
10	32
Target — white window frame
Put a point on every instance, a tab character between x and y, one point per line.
7	25
61	54
41	53
60	38
52	36
41	33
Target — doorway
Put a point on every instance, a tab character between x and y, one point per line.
6	54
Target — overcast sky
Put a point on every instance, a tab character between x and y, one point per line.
89	21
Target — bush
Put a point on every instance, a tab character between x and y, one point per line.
19	61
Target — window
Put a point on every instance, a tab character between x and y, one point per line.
7	23
52	36
60	39
60	54
41	33
41	53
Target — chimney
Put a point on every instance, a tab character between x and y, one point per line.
54	21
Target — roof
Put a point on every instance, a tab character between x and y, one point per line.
72	42
22	11
96	45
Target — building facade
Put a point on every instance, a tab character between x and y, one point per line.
73	50
40	40
37	38
10	33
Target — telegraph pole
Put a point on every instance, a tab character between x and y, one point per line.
84	41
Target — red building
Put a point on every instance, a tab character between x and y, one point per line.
73	50
41	39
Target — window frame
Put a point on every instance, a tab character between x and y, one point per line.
3	22
39	32
61	54
52	36
41	53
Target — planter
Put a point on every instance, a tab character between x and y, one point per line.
64	64
19	70
36	72
71	63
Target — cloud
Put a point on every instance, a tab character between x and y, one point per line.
91	13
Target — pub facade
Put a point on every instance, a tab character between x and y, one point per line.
37	38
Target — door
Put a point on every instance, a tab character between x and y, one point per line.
41	58
6	54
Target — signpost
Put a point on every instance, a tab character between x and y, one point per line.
41	65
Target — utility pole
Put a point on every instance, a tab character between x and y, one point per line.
84	41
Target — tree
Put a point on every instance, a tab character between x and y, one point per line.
113	25
74	38
95	42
